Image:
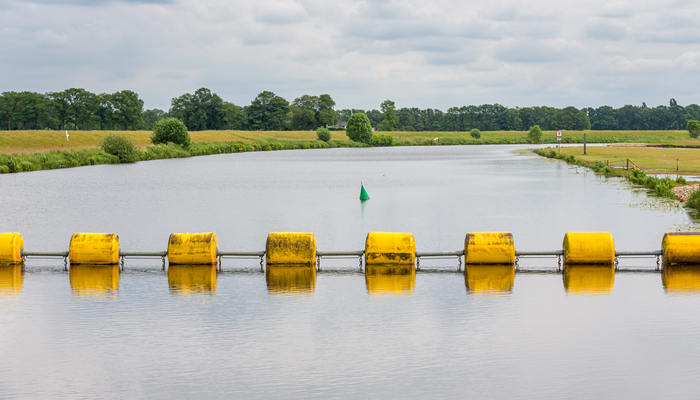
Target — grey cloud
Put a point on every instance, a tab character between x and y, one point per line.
681	36
97	2
616	10
423	54
604	30
532	52
456	58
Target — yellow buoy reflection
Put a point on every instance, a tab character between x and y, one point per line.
589	279
11	279
489	279
192	279
290	279
94	280
681	278
390	279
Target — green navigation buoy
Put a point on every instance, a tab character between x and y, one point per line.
363	194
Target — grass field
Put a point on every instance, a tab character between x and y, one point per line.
40	141
651	159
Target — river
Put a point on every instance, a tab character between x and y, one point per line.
338	333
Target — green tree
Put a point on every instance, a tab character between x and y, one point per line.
128	109
326	114
121	147
475	133
304	110
693	127
391	120
104	110
170	130
234	117
359	129
268	112
150	117
535	134
81	107
323	134
60	104
9	104
199	110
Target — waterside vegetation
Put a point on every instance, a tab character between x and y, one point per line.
660	186
32	150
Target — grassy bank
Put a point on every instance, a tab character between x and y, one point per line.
36	150
654	159
38	141
54	159
662	187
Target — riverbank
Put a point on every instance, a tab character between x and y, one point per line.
677	189
655	160
32	141
22	151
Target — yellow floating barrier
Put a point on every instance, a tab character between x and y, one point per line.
290	279
11	279
394	279
94	279
191	279
589	279
589	248
390	248
489	279
290	248
11	247
192	248
681	278
681	247
94	248
489	248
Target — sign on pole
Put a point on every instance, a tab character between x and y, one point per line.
560	133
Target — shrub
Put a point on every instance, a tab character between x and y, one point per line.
535	134
382	140
694	200
170	130
681	180
359	129
475	133
693	127
323	134
121	147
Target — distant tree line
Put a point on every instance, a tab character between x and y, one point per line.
80	109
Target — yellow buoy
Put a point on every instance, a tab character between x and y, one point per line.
681	278
11	247
191	279
390	248
11	279
394	279
94	280
681	247
589	248
94	248
489	248
489	279
192	248
589	279
290	279
290	248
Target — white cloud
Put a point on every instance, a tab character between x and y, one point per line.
425	54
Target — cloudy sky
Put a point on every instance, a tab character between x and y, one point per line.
435	53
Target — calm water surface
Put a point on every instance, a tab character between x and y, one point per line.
297	334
